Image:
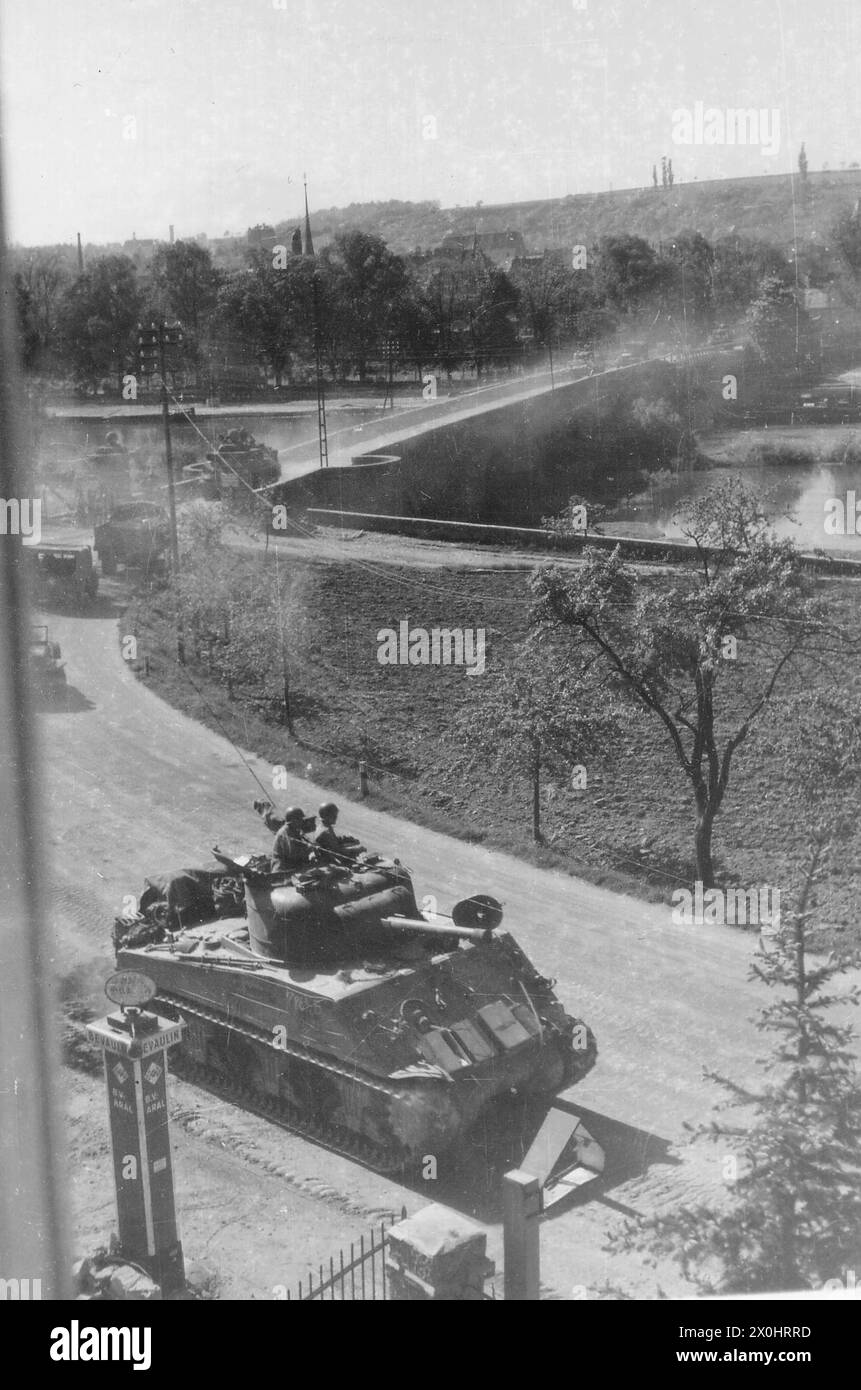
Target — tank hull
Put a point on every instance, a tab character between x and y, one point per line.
390	1064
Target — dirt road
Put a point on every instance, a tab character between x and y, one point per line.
132	787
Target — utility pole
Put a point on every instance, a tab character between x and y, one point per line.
318	370
308	250
152	345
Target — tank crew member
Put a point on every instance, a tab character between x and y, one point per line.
329	846
291	851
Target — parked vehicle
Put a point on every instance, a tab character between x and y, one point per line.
61	570
136	533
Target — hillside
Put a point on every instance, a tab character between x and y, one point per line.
757	207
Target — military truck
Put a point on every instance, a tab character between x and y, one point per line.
135	534
61	568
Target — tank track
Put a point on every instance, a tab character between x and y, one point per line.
278	1109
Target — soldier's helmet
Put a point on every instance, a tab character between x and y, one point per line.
294	815
327	812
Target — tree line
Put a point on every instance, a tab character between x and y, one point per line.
369	312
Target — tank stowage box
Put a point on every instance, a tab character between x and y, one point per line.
335	1001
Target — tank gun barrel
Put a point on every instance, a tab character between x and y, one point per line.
436	929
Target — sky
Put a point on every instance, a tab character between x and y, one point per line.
120	117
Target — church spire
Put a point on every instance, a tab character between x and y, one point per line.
309	244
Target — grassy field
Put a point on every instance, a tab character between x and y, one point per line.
631	827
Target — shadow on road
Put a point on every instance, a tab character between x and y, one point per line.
472	1182
67	700
102	606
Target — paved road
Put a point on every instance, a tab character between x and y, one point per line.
133	787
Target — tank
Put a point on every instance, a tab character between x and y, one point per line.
336	1005
239	456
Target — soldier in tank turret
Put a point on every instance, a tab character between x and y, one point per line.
327	842
329	846
291	852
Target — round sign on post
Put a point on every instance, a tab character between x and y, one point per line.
129	988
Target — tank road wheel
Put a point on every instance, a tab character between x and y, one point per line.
236	1060
310	1091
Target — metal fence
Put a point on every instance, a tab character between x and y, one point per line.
357	1274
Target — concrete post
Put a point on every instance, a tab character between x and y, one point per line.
135	1051
363	777
435	1256
521	1196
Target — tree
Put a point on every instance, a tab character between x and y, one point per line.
552	297
492	319
793	1216
778	326
269	309
802	163
665	439
415	329
99	315
542	290
688	266
367	287
629	272
654	176
186	284
673	645
447	298
535	721
847	238
43	277
740	265
27	324
794	1208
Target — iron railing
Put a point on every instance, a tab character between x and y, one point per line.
357	1276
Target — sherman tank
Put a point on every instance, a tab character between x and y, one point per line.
239	456
335	1005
